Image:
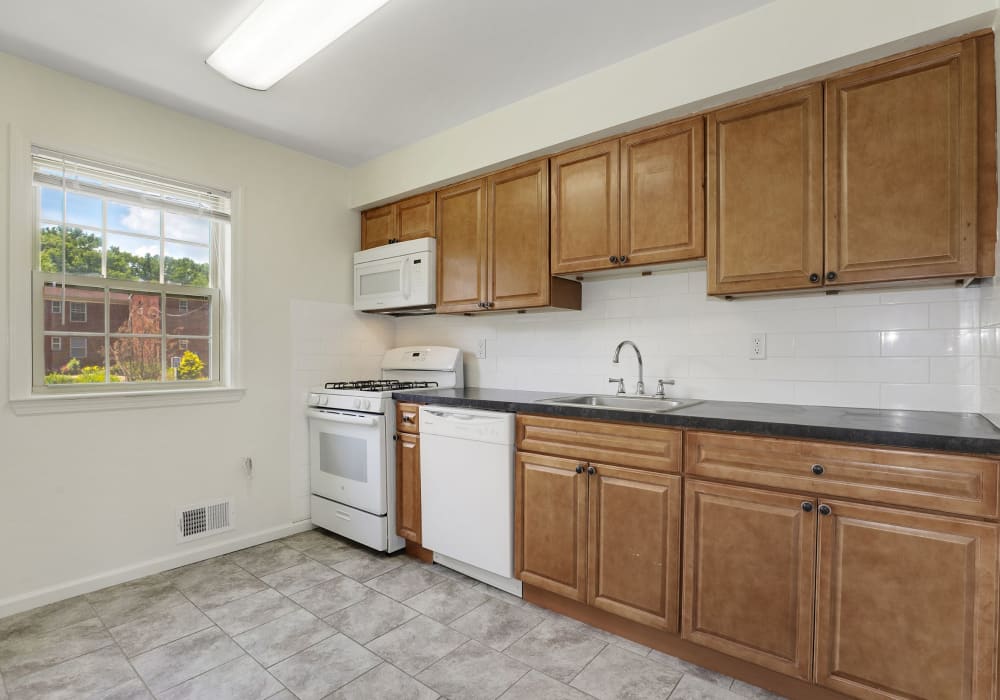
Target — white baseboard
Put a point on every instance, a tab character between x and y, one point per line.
88	584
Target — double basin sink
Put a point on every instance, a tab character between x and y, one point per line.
642	404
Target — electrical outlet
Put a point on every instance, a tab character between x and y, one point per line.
758	346
481	349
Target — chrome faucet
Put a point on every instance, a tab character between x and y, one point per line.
640	387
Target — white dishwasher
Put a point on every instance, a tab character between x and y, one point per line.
467	492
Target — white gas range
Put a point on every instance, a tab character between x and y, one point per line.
352	453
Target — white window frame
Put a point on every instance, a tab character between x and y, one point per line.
183	307
55	308
55	343
73	312
25	396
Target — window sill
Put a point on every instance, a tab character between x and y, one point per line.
73	403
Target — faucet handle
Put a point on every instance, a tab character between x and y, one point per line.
621	384
659	387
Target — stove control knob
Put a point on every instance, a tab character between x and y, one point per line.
313	399
323	400
357	403
366	404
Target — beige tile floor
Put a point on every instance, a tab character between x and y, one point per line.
312	617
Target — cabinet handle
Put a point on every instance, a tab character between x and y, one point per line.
814	278
831	275
613	258
623	259
817	469
490	304
395	437
807	506
579	469
824	509
591	471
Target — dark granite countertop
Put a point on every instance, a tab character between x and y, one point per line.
929	430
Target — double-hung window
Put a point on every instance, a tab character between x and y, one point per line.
127	277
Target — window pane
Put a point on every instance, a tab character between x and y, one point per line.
52	203
83	250
187	315
74	359
131	258
126	217
187	228
185	264
188	359
135	312
84	210
135	360
84	309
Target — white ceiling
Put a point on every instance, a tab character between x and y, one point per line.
414	68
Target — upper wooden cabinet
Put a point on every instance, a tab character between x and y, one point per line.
765	194
663	194
461	247
901	179
907	604
518	236
585	223
493	245
402	221
632	201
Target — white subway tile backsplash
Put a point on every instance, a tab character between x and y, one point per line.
917	348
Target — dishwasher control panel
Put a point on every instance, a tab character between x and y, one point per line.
467	424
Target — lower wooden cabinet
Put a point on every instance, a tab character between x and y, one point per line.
600	534
634	544
907	604
408	487
550	531
749	571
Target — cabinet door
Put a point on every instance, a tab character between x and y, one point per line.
415	217
635	545
663	193
765	194
461	247
749	570
518	234
907	604
408	487
585	221
378	226
550	532
901	168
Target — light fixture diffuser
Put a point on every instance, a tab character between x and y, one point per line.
281	35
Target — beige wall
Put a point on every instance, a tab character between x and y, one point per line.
86	494
779	43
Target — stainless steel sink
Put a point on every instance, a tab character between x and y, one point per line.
646	404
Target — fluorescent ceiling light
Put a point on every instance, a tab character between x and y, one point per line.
281	35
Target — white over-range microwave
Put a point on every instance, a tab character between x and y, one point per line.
398	278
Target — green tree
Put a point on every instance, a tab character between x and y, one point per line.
191	366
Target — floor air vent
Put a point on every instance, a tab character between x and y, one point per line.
204	520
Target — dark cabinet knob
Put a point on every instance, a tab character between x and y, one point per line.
831	275
623	259
579	468
613	258
825	509
395	437
817	469
591	470
490	304
807	506
814	278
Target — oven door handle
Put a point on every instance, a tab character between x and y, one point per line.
349	418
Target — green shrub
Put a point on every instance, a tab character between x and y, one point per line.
191	366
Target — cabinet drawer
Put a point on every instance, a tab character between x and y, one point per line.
658	449
942	482
407	418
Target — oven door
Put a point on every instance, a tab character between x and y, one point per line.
347	458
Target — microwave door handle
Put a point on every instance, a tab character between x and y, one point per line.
406	277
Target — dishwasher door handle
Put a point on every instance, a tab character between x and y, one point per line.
464	417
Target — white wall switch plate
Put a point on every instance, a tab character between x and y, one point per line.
758	346
481	349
